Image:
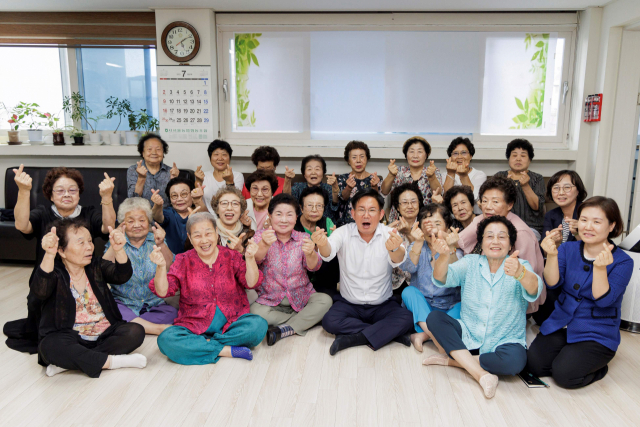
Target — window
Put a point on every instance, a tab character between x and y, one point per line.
128	73
22	79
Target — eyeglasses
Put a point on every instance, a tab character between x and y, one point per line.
502	237
406	203
256	190
182	195
60	191
565	188
459	153
225	204
312	207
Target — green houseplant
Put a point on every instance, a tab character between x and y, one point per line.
147	122
14	125
77	135
32	117
117	108
77	106
132	135
53	122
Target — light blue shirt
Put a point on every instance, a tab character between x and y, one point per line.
494	310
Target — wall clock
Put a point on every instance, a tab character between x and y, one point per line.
180	41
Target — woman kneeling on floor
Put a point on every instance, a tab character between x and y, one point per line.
81	326
213	319
495	288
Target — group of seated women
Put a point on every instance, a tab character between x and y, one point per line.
460	263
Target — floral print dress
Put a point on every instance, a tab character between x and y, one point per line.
404	177
344	211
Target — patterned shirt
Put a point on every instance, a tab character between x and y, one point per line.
203	289
285	273
158	181
330	209
493	310
136	293
534	219
90	319
404	177
344	210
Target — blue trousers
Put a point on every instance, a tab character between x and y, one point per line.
417	304
186	348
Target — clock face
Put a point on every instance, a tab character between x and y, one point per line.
180	41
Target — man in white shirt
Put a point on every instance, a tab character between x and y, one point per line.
365	312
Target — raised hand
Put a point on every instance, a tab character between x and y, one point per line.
227	175
199	173
512	265
436	196
235	242
333	181
158	234
605	257
319	237
22	179
453	237
394	241
375	180
192	211
156	198
440	244
333	228
393	168
289	173
308	247
416	233
403	226
245	219
351	180
174	172
50	242
548	244
573	225
269	236
524	178
452	166
141	170
512	175
197	193
106	186
463	169
157	258
251	249
116	237
431	170
267	222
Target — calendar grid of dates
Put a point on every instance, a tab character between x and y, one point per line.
184	95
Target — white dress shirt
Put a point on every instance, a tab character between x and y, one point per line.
212	186
365	268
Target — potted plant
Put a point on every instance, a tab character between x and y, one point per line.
14	124
94	137
132	135
120	109
29	112
53	121
147	122
77	135
77	106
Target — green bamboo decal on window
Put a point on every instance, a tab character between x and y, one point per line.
246	44
532	107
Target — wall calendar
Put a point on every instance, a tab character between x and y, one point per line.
185	99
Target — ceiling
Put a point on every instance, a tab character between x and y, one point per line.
303	5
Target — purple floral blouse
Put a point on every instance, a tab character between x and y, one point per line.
404	177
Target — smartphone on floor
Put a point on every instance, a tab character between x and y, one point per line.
531	380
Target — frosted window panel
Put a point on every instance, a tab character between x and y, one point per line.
33	76
123	73
517	85
273	90
347	82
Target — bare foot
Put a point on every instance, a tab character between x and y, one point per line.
418	339
437	359
489	384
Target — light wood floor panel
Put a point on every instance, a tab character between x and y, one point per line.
297	383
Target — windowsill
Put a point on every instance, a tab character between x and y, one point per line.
69	150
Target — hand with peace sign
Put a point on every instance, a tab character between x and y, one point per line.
156	198
393	168
22	179
512	266
158	234
431	170
106	186
605	257
174	172
375	180
199	173
289	173
436	196
141	170
227	175
50	242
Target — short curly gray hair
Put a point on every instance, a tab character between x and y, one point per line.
134	204
200	217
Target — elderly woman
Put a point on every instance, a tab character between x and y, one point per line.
228	205
173	219
314	168
416	150
581	336
213	319
357	155
150	173
498	195
529	204
286	299
81	325
460	152
266	159
423	297
135	301
261	186
460	199
495	289
568	192
63	187
222	175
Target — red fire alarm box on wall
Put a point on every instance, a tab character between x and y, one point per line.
593	108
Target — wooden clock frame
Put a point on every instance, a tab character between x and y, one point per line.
196	37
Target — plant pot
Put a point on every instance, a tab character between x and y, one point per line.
58	138
14	137
114	139
132	137
95	138
35	135
78	140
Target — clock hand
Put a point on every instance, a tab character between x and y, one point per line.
180	42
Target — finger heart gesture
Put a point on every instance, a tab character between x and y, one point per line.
431	170
251	249
605	257
319	237
394	241
308	247
156	257
116	237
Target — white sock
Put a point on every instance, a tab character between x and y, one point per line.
53	369
134	360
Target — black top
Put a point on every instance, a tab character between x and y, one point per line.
533	219
59	306
553	219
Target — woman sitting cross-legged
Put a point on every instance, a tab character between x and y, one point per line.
582	334
495	288
81	326
422	296
286	298
135	301
213	319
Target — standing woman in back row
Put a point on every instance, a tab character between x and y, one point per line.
416	150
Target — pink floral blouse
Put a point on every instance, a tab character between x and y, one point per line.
202	289
285	273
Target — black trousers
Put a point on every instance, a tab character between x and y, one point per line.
571	365
380	324
67	350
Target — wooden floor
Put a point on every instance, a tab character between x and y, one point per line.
297	383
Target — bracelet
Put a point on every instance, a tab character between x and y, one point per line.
107	203
395	249
524	270
453	178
